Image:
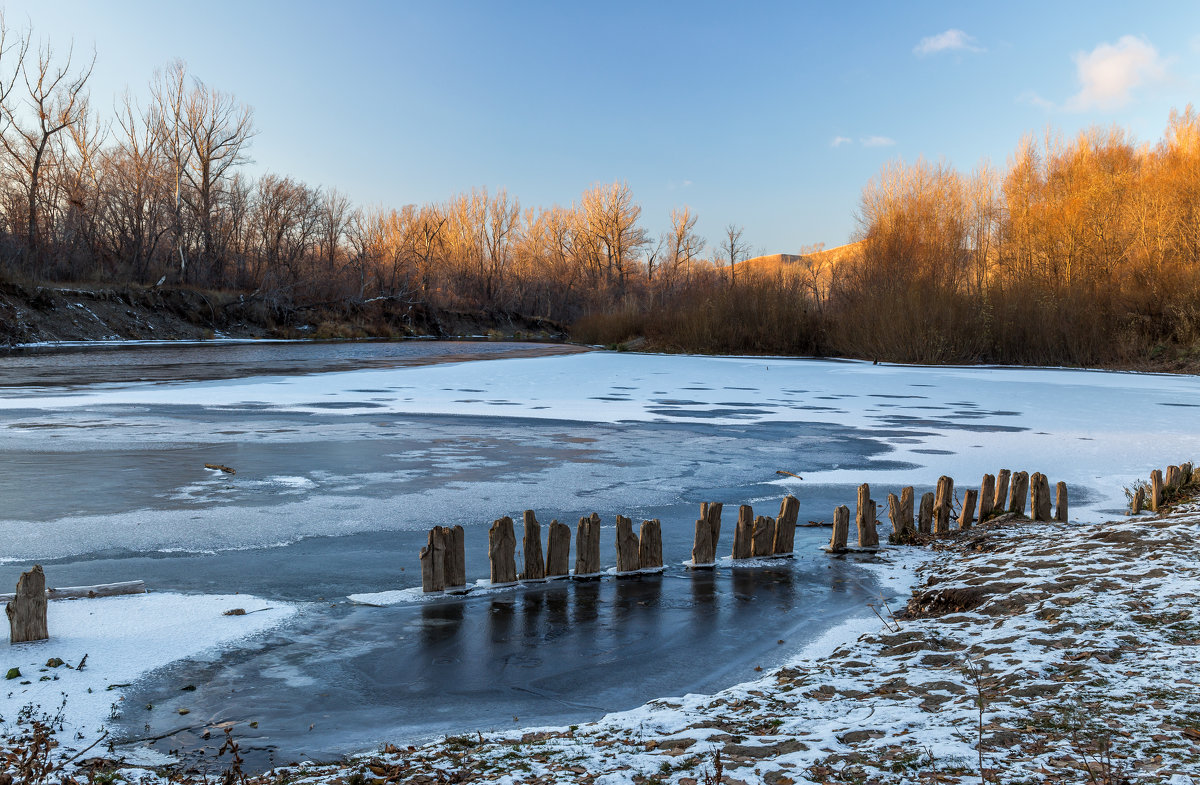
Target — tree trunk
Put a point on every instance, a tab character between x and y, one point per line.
864	516
743	535
1060	502
1020	492
925	518
1002	478
987	497
763	536
650	545
967	516
943	505
785	525
455	569
558	550
627	546
1156	490
841	529
587	547
433	562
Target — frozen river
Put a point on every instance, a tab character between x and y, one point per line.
347	453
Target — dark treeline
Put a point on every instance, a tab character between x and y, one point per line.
1083	251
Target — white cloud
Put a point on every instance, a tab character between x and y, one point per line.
950	41
838	141
877	141
1110	73
1033	99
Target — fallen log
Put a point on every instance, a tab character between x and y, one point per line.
89	592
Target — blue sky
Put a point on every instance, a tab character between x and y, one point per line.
769	115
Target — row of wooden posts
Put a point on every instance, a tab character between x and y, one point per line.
443	559
1175	477
937	508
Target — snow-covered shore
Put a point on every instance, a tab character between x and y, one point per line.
123	639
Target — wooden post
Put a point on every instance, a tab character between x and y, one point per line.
627	546
650	545
558	550
702	547
531	547
987	497
1139	499
864	516
27	611
967	516
1186	471
762	540
1039	497
502	547
743	535
1156	489
711	513
455	570
943	505
1171	480
587	546
433	561
841	529
895	517
925	516
1060	502
1001	491
785	526
1020	492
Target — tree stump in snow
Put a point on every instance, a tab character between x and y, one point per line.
1186	471
841	529
785	526
1139	500
864	516
531	548
967	516
27	610
433	561
1039	497
1001	500
1060	502
558	550
987	497
502	548
900	513
587	546
1020	492
650	545
943	505
627	546
743	535
1156	489
455	569
762	540
925	516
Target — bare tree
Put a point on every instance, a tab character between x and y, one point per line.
683	244
54	101
734	249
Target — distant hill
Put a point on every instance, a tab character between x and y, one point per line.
817	265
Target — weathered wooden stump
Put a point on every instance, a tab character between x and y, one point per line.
1002	478
627	546
711	513
1186	471
943	505
743	535
900	513
531	547
1020	492
1171	479
762	540
455	569
558	550
650	545
502	549
1060	502
785	526
1039	497
864	517
702	546
1156	490
27	610
967	516
587	546
841	529
925	516
987	497
433	561
1139	499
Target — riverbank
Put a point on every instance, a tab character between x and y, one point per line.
54	314
1041	652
